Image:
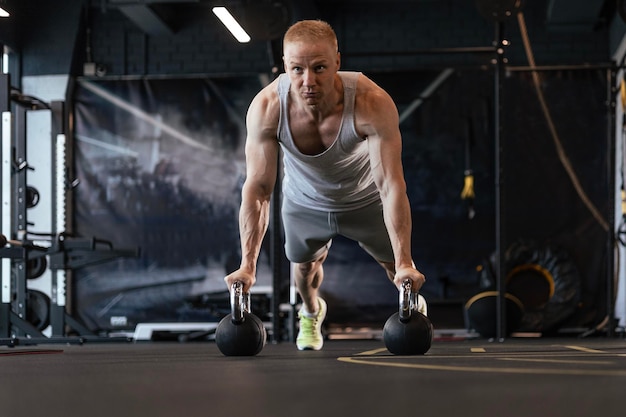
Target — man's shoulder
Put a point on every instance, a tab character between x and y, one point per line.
372	102
267	94
265	105
366	88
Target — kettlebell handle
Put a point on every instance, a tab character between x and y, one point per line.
239	302
408	301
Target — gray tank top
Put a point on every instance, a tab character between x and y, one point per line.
337	179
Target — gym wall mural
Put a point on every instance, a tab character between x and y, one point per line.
160	164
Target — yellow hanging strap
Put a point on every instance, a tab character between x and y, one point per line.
468	186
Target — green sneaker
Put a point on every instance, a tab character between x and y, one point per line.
310	333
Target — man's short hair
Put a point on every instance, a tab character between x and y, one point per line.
310	30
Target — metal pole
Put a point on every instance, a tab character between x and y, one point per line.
499	180
20	214
58	162
610	244
5	203
277	260
276	237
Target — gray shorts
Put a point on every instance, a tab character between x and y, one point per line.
308	233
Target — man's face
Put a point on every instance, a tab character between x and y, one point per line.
311	68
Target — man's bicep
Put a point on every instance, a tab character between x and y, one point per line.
261	144
385	150
261	163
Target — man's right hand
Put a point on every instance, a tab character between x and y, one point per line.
247	279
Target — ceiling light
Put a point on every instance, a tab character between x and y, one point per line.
231	24
4	13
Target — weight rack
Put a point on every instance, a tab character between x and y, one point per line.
62	251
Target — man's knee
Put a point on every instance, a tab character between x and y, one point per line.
311	267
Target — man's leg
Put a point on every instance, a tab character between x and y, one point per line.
308	236
308	277
390	269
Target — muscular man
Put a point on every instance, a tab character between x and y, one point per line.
341	142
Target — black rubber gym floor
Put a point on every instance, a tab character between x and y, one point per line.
348	378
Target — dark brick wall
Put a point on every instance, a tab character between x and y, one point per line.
373	35
367	33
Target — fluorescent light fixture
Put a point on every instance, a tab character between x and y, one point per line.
231	24
4	13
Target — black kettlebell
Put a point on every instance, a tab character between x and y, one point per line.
408	332
241	333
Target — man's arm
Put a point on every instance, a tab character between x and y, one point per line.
261	151
378	118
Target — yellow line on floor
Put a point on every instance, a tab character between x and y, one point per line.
556	361
478	350
373	361
584	349
371	352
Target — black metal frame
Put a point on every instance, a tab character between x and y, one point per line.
65	252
